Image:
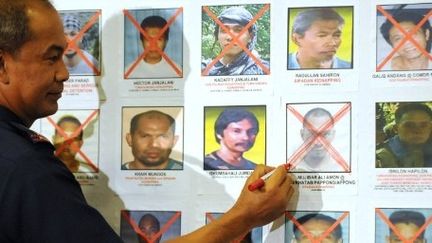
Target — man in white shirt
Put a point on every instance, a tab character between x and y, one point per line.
153	64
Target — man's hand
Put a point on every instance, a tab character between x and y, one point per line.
262	206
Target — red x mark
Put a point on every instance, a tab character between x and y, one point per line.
318	136
134	225
235	39
212	216
153	42
311	237
408	36
73	45
396	231
68	139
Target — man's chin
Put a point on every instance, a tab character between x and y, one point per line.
152	163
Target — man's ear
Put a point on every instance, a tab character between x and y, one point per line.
3	77
295	38
129	139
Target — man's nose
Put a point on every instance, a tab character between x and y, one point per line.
62	73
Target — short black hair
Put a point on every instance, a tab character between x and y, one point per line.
154	21
152	113
406	16
72	119
408	107
236	114
152	218
337	232
304	19
407	217
15	27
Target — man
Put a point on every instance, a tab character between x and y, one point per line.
317	157
73	60
317	34
152	137
407	224
235	61
40	200
411	146
149	225
68	142
153	65
235	131
317	226
414	53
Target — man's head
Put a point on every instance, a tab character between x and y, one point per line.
236	129
67	141
317	123
408	22
72	27
149	226
153	26
413	123
31	68
316	226
408	224
317	33
152	137
235	19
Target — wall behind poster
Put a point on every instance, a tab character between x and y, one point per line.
191	193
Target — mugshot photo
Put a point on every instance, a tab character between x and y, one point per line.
149	226
253	236
235	40
403	37
234	137
153	43
319	137
395	225
403	134
320	38
75	136
152	138
310	226
82	31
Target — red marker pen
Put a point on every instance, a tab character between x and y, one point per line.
261	181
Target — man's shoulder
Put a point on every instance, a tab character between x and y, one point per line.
174	164
292	61
342	63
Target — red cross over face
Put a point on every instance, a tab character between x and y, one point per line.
74	37
234	39
68	140
317	230
408	39
405	231
149	229
317	133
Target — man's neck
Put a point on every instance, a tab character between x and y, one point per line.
152	60
309	62
230	157
314	162
71	163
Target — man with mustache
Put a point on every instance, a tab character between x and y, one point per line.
152	137
317	34
235	130
40	199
